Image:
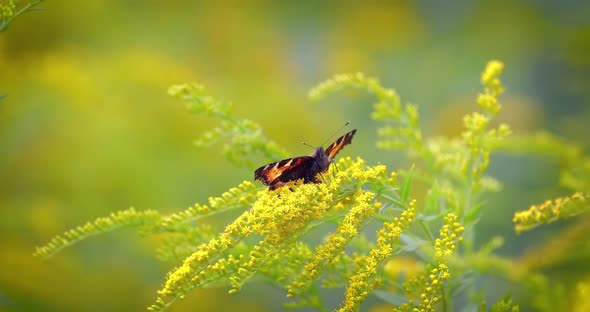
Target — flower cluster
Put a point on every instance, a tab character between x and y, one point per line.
184	230
430	285
271	230
550	211
7	9
349	228
488	100
364	281
199	269
479	140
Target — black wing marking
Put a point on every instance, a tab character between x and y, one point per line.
285	170
335	147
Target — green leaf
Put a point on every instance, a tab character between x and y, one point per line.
407	185
428	218
472	215
463	283
411	243
390	297
431	207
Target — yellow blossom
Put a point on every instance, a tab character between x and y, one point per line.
550	211
362	282
430	284
488	101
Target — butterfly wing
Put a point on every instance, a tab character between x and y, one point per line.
278	173
335	147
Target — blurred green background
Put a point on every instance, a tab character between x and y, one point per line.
87	127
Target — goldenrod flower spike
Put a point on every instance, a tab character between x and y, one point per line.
433	282
479	139
488	100
551	210
116	220
326	253
364	281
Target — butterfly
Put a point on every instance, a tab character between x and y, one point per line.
277	174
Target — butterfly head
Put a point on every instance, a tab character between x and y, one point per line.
321	159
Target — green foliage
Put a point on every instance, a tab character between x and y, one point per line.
117	220
574	164
10	9
503	305
432	231
405	135
247	144
453	167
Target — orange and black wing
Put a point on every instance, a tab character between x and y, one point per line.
335	147
278	173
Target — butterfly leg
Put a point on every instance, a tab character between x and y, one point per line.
319	178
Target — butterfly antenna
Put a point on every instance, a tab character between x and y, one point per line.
308	145
336	132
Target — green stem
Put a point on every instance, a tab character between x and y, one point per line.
444	299
425	229
28	7
468	235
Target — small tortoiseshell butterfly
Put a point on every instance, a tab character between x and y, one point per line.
278	173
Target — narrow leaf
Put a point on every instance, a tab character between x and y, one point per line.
407	185
390	297
472	215
432	200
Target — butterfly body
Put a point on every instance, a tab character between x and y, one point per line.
277	174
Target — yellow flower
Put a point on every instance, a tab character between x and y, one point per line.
550	211
429	286
363	281
488	100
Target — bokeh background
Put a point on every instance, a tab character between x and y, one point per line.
87	127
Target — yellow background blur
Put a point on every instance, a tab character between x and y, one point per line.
87	127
